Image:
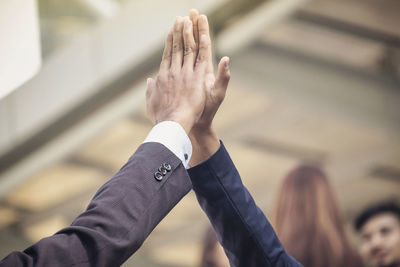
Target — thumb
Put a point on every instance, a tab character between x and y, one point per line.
151	84
223	76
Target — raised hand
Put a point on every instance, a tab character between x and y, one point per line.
215	87
204	139
177	94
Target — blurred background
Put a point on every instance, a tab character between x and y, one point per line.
312	81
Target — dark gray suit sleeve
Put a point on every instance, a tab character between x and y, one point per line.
120	216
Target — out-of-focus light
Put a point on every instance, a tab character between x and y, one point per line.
54	186
105	8
46	227
20	55
8	216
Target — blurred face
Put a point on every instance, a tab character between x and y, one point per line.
380	240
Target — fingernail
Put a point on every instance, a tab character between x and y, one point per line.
227	62
148	81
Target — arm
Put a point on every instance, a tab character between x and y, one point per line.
121	215
128	207
241	227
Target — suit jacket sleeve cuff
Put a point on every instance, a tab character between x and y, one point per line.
172	135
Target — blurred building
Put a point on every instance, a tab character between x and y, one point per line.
315	81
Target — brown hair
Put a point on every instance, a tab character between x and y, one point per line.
209	243
212	255
307	220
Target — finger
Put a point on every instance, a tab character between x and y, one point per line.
166	57
223	77
194	17
177	44
204	29
202	57
189	45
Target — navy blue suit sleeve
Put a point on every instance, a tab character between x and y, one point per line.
121	215
242	228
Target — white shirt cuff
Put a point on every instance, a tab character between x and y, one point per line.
172	135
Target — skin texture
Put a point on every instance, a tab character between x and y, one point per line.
177	94
203	137
380	240
186	90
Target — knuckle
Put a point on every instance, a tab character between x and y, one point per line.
166	55
161	77
204	45
188	50
176	47
172	75
200	58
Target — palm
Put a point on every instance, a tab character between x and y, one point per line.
211	105
215	87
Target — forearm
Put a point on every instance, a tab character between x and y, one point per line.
119	218
241	227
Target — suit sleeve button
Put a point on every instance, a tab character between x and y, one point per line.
167	166
158	176
162	170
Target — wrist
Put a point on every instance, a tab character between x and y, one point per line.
202	130
186	125
205	143
203	135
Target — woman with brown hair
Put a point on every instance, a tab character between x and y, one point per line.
307	221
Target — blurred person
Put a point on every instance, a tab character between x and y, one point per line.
379	230
213	254
308	222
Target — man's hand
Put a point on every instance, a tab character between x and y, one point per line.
177	94
204	139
